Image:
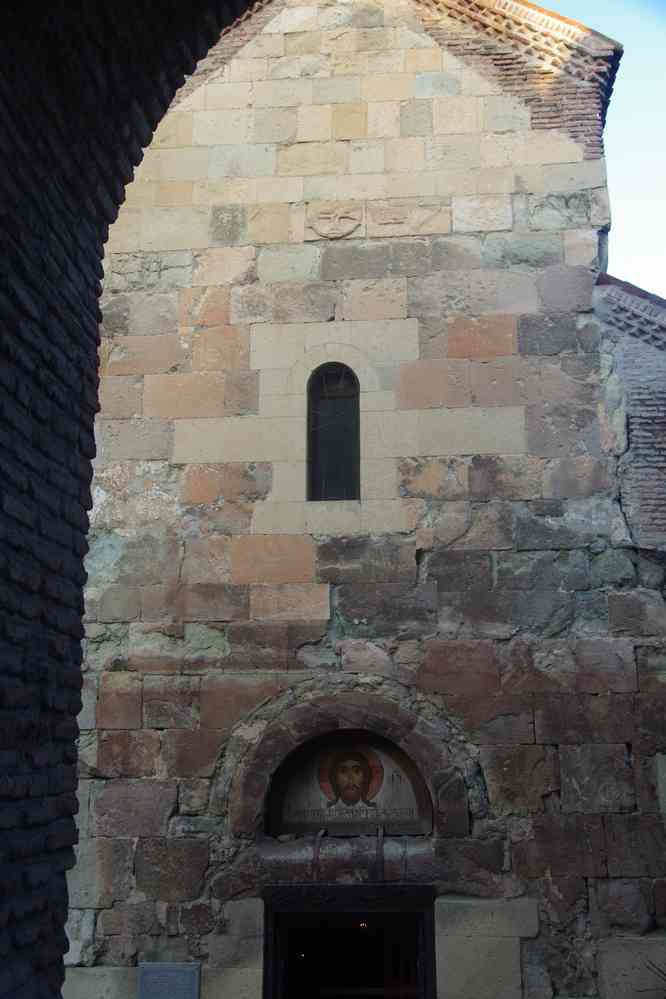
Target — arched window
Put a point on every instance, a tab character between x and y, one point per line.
334	451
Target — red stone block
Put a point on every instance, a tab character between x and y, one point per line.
519	673
520	778
456	667
496	719
636	846
191	753
134	807
119	704
227	700
129	918
171	702
573	719
561	845
214	602
650	722
171	870
596	779
605	665
128	754
622	904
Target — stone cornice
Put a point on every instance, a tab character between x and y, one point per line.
632	310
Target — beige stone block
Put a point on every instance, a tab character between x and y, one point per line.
274	189
207	560
315	123
300	18
462	917
268	223
455	152
283	405
282	93
367	300
337	42
125	233
433	384
453	115
311	158
290	602
384	119
224	265
409	185
289	484
173	193
475	430
175	129
196	101
565	178
581	248
336	90
138	439
391	87
273	125
144	355
320	188
203	306
211	128
269	46
389	435
138	194
551	147
477	967
387	342
247	70
498	180
375	39
226	191
220	348
476	84
120	397
366	156
386	516
350	121
257	159
240	981
276	345
364	185
502	149
302	43
278	518
340	517
482	339
274	381
379	479
185	163
185	396
349	63
377	402
288	263
271	558
173	228
238	438
408	217
413	36
489	213
334	220
102	983
252	303
228	95
384	63
293	67
504	113
423	60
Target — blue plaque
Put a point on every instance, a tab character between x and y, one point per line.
167	980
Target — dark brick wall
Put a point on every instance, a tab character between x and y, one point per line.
82	86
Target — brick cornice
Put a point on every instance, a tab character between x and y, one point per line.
633	311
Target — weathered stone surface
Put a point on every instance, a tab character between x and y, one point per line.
547	334
636	846
459	668
227	700
651	661
561	845
520	780
624	905
480	918
443	478
504	613
650	736
171	870
576	478
128	754
495	719
478	967
103	983
387	608
458	570
499	477
189	753
364	657
573	719
639	612
516	249
596	779
626	966
349	560
119	704
103	872
134	807
556	570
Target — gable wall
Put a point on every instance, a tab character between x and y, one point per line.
346	189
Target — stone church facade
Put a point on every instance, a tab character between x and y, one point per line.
415	194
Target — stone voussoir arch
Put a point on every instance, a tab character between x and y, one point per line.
331	712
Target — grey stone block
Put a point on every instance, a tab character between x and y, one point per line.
518	917
100	983
626	966
228	225
533	249
478	967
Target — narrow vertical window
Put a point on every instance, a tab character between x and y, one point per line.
334	452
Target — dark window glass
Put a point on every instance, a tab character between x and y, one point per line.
334	452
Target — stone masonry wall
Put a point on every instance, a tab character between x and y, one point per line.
345	188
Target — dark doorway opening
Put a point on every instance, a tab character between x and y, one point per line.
357	942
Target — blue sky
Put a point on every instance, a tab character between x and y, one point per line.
635	134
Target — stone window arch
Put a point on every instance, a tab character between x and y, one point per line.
333	434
